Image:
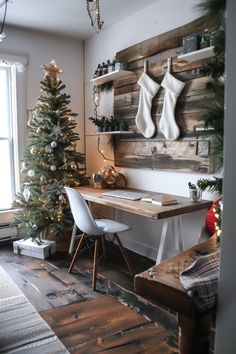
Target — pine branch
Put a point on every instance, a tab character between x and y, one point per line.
215	185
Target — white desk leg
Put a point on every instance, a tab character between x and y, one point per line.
178	233
162	241
72	241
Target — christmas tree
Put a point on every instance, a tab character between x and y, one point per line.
214	10
50	162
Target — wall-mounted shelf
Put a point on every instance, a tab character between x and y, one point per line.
198	54
116	132
117	74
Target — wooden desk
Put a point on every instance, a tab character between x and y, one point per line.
150	211
138	207
161	283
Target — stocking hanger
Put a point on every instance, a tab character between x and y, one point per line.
145	65
168	65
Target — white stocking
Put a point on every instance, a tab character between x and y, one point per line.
143	118
173	89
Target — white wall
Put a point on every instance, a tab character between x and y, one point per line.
160	17
41	48
226	308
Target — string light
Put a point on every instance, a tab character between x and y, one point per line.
93	9
2	34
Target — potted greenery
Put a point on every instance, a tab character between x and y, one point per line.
195	193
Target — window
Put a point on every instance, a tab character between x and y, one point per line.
12	126
8	136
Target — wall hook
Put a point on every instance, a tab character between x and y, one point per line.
145	65
168	65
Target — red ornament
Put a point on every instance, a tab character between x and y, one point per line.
211	219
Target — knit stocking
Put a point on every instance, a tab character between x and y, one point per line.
143	118
173	89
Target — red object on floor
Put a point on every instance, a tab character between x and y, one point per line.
211	219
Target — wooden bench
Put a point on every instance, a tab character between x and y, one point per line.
161	283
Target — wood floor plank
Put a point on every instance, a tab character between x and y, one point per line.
134	340
105	325
46	290
69	304
73	323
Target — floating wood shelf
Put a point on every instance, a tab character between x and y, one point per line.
198	54
117	74
117	132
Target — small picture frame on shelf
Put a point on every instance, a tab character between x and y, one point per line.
191	43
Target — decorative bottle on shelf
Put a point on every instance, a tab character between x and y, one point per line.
99	70
110	66
119	65
104	69
205	39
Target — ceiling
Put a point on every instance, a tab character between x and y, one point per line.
67	17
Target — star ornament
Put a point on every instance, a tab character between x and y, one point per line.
52	71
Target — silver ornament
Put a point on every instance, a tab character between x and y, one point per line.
61	198
73	166
53	144
53	168
33	150
31	173
26	193
48	149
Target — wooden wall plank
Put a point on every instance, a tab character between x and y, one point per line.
196	96
163	42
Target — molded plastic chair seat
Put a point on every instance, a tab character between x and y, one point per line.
111	226
95	228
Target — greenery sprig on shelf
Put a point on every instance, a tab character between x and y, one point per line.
106	123
214	185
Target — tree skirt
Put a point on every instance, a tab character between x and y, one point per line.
22	330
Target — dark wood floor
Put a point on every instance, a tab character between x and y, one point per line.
51	290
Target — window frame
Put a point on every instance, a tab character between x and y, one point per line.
16	66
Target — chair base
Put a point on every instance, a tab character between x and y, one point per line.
100	240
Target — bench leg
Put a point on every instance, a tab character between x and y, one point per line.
194	334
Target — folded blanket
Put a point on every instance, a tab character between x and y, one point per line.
201	280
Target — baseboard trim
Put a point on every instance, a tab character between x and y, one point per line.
139	247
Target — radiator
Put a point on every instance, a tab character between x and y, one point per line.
6	232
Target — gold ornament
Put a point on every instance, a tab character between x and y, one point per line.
52	71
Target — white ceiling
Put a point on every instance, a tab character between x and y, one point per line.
67	17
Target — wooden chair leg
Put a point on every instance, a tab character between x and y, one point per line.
81	241
95	261
124	254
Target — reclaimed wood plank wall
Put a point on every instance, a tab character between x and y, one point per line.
192	151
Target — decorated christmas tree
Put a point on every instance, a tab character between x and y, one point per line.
50	162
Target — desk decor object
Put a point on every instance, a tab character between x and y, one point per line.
195	193
108	177
161	199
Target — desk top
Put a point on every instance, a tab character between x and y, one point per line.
146	209
161	282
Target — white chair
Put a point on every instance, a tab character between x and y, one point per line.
94	228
